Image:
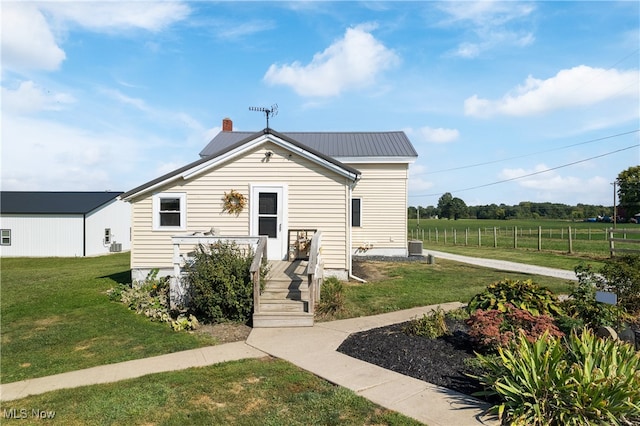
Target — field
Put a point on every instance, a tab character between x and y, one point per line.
588	239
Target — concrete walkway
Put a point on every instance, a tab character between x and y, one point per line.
504	265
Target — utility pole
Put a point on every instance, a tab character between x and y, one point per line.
615	208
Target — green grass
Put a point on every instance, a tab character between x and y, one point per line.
56	317
589	240
412	284
247	392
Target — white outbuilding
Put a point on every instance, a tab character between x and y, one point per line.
63	224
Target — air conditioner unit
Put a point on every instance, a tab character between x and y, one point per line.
115	247
415	248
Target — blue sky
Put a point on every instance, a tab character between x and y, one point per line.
108	95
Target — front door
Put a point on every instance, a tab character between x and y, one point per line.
268	218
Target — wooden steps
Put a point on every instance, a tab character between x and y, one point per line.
284	302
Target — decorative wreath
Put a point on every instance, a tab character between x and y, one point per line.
234	202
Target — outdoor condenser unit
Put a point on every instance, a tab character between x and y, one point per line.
415	248
115	247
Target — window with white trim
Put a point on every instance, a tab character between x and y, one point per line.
169	211
107	236
5	237
356	212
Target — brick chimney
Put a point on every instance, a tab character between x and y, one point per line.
227	125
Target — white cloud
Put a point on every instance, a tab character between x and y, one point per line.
29	97
439	135
112	16
27	41
576	87
43	155
553	187
351	62
489	21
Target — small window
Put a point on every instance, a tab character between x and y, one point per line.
169	211
5	237
107	236
356	212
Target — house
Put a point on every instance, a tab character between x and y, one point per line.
351	186
63	224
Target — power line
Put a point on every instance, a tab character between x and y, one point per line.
469	166
531	174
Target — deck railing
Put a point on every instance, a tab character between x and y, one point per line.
315	270
183	246
260	254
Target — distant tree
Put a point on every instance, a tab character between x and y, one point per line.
444	205
412	212
457	208
629	190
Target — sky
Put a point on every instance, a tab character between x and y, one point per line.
504	101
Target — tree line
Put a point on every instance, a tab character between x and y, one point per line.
628	191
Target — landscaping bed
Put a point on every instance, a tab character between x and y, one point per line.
440	361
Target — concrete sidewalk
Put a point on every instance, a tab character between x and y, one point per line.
311	348
504	265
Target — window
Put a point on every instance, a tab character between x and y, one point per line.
268	214
356	212
5	237
169	211
107	236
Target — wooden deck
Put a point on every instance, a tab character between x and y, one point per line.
285	270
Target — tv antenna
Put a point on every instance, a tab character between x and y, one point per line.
273	111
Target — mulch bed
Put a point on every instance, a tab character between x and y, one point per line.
438	361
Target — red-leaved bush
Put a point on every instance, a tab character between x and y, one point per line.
492	329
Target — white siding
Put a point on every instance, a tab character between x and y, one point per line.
43	235
317	199
115	215
383	190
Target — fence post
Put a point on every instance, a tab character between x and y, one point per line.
445	236
436	235
429	234
539	238
423	234
495	237
479	237
466	236
515	237
612	248
455	237
570	242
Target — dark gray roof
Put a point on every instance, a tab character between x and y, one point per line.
16	202
332	144
237	143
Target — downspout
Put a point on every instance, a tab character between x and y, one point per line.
349	225
84	234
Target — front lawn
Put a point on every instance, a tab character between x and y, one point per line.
56	317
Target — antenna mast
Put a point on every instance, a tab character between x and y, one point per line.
273	111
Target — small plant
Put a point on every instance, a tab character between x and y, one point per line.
331	297
151	299
581	304
524	295
185	323
432	325
494	329
622	276
587	381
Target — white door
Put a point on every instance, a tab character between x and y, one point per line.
268	218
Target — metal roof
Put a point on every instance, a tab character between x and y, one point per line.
332	144
15	202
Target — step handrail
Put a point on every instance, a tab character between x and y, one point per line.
315	270
254	269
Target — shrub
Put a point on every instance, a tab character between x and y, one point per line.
431	325
588	381
622	276
493	329
524	295
581	304
219	283
151	299
331	297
